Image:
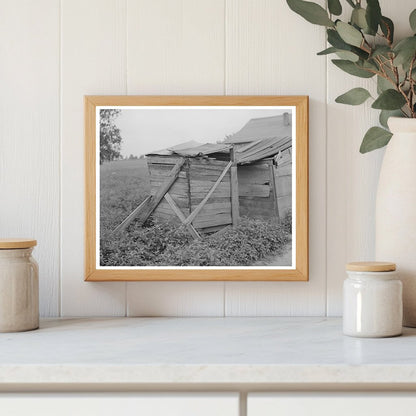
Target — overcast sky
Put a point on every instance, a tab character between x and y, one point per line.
146	130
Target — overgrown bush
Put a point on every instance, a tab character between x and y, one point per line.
141	246
287	221
166	244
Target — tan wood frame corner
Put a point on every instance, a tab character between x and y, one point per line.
300	273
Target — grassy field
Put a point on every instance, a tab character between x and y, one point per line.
125	184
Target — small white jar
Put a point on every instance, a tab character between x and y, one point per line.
373	305
19	286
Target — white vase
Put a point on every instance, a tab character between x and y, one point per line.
396	210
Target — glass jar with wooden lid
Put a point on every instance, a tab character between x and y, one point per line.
372	300
19	286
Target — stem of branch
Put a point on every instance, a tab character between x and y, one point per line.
412	86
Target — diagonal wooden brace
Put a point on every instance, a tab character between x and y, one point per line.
180	215
127	221
143	211
170	180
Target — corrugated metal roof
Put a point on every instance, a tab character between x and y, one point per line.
263	137
192	149
170	150
263	128
261	149
251	152
205	149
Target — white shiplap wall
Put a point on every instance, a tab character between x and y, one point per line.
55	52
30	134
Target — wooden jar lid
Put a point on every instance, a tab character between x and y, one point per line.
11	243
371	266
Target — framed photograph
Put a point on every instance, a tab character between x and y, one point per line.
196	188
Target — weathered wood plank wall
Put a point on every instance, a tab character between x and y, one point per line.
256	192
194	181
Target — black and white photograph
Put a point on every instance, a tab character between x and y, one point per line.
208	186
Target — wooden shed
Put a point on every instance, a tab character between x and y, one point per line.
264	152
209	186
202	187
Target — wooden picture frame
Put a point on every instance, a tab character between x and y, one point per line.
298	105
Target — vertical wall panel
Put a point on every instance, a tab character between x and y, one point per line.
175	47
272	51
93	62
352	177
29	134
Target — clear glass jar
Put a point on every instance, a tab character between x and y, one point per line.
372	300
19	286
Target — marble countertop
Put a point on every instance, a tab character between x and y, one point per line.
204	351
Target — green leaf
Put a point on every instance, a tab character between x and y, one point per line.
389	100
356	96
311	12
350	56
349	34
336	41
347	55
386	114
381	50
412	20
327	51
405	50
387	27
334	7
373	15
352	68
383	84
358	18
370	65
375	138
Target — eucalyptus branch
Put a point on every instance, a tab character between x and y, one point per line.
368	49
413	89
380	64
385	75
395	71
412	85
406	96
387	60
386	37
369	46
372	71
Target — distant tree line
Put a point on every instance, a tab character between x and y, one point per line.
110	137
